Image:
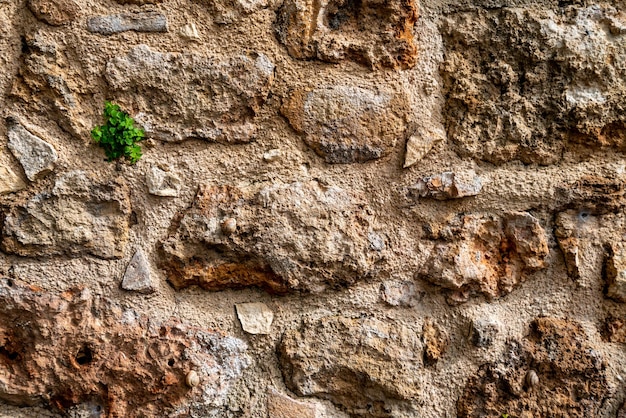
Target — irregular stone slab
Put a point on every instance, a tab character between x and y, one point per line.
557	82
85	349
374	33
360	364
420	144
347	124
571	376
137	277
280	405
188	95
296	236
78	216
54	12
448	185
37	157
9	181
486	254
616	272
435	340
138	22
255	318
163	183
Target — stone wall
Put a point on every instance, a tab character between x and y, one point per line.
345	208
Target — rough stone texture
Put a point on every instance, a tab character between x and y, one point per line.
400	293
9	181
280	405
54	12
137	276
85	349
288	237
435	340
484	331
255	317
486	254
163	182
179	92
346	124
37	156
375	33
78	216
138	22
572	376
362	364
557	80
420	143
616	272
448	185
615	330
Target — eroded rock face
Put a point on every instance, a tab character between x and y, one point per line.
486	254
447	185
556	80
193	96
347	124
571	376
375	33
281	237
78	216
54	12
359	364
83	349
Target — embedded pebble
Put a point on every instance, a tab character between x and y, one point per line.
9	181
163	183
190	32
421	143
137	276
37	157
138	22
272	155
484	332
255	318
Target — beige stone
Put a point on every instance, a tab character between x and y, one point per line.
54	12
280	405
9	181
255	317
420	143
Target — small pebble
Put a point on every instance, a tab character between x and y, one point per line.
272	155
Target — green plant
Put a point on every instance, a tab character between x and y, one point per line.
118	136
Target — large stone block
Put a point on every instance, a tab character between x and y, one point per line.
76	348
78	216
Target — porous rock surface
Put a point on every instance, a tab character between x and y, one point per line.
378	198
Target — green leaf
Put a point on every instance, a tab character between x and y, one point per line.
118	136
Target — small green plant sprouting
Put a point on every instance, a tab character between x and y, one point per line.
118	136
505	415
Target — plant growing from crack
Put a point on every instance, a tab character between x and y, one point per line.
118	136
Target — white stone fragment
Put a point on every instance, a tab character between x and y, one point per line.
9	181
137	277
163	183
272	155
37	157
190	32
421	143
255	318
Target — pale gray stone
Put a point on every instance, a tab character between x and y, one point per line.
138	22
400	293
255	318
448	185
163	183
37	157
137	277
484	331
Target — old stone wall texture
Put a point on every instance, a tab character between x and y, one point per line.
345	208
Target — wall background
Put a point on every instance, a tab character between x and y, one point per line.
427	198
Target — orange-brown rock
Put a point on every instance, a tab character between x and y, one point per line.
614	330
297	236
486	254
54	12
568	377
76	348
373	32
435	340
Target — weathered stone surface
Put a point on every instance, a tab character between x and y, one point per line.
557	79
137	276
138	22
400	293
347	124
226	12
420	143
484	331
163	183
37	157
193	96
621	413
255	317
374	33
297	236
54	12
9	181
190	32
614	330
435	340
448	185
280	405
78	216
486	254
571	376
360	364
616	272
83	349
139	1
